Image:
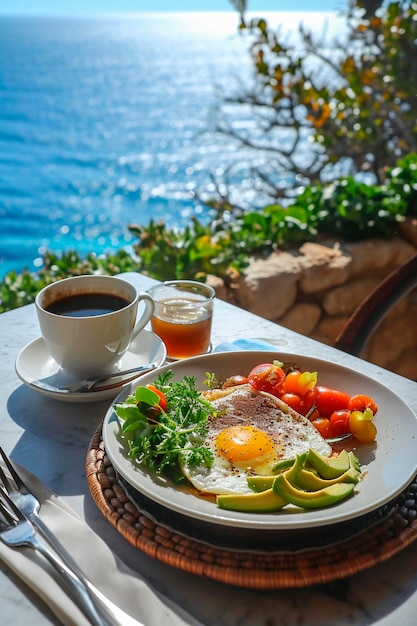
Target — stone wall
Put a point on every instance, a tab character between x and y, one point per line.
314	289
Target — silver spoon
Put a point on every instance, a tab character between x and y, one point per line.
86	385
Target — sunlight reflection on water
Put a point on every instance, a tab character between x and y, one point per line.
104	121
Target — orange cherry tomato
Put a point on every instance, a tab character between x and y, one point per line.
267	377
361	402
299	382
293	401
162	399
235	380
339	422
323	426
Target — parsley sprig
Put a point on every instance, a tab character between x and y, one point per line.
164	440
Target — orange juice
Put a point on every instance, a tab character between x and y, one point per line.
184	325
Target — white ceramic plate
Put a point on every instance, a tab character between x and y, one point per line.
391	463
37	369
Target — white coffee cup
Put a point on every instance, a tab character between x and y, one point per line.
89	342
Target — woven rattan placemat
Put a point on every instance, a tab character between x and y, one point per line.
380	539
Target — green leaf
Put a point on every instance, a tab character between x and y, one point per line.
143	394
177	436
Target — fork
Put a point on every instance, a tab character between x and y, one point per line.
20	508
17	532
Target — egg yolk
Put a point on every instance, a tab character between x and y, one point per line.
243	444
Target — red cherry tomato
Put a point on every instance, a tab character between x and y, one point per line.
326	400
293	401
309	400
361	402
323	426
267	377
339	422
162	399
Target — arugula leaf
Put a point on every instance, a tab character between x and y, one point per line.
163	441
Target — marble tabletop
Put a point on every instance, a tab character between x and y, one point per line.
48	437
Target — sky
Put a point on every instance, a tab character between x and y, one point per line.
66	7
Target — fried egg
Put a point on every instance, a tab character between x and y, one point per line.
249	433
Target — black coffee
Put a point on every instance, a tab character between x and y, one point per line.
87	304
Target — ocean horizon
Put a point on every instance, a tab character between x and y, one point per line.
107	121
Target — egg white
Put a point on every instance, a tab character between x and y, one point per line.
289	432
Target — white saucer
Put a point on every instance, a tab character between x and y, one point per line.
37	369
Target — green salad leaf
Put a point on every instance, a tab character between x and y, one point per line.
164	440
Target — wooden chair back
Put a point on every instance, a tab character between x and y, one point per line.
375	307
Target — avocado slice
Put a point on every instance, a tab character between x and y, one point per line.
283	465
263	502
354	462
310	481
290	467
327	482
329	467
292	473
312	499
307	477
260	483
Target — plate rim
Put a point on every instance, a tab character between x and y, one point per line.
308	519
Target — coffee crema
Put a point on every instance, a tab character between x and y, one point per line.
87	304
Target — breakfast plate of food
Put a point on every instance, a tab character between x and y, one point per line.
262	440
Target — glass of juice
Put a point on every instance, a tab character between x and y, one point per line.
182	316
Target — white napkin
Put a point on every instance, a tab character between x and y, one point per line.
245	344
112	577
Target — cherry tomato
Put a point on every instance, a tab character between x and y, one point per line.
309	404
323	426
312	414
310	400
232	381
293	401
299	382
326	400
162	399
362	426
267	377
339	422
361	402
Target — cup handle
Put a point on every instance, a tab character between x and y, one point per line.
146	315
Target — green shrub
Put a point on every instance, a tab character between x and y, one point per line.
19	289
346	209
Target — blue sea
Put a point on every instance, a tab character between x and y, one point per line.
106	122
